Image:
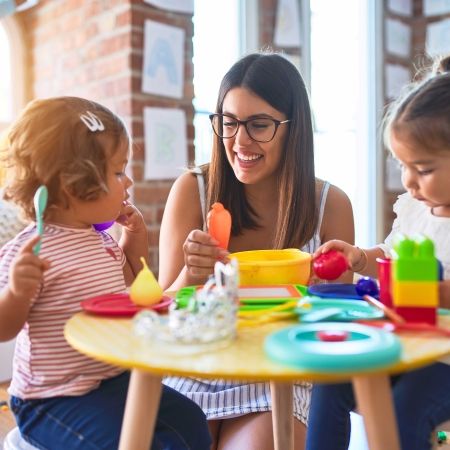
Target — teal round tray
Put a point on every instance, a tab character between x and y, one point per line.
365	348
350	309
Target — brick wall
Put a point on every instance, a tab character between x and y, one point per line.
94	49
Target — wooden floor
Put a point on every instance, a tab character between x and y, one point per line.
6	417
7	423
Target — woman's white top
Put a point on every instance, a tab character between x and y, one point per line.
225	399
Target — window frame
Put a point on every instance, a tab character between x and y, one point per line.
18	68
14	35
373	80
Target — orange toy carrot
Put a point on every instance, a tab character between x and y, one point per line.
219	224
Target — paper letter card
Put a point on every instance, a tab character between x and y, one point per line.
165	143
163	68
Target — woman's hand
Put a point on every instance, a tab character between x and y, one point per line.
201	252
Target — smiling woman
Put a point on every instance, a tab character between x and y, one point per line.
262	171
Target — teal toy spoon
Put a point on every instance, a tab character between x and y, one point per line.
40	203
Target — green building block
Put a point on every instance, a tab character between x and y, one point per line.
414	259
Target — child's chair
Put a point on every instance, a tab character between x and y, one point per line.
14	441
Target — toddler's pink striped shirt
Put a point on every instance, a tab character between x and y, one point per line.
84	263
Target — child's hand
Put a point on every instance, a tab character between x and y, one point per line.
353	254
26	271
444	294
131	218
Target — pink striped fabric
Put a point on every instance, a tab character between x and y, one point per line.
84	263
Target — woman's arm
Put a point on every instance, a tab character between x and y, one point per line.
337	222
186	254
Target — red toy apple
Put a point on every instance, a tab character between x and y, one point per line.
330	265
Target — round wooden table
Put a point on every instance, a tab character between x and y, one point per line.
112	340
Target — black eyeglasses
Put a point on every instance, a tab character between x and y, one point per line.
260	129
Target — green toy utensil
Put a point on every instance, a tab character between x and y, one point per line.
40	203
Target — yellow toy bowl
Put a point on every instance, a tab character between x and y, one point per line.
266	267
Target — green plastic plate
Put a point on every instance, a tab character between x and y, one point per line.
252	297
350	309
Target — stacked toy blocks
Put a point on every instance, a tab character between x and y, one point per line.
415	275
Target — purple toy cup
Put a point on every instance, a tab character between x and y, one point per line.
384	278
104	225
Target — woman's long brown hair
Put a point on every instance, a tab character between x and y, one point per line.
274	79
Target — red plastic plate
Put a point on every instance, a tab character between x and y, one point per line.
120	305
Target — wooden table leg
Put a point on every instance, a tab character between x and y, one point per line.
144	393
282	415
374	402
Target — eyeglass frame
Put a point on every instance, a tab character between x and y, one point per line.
245	122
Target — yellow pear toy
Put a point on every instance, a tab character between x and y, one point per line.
145	290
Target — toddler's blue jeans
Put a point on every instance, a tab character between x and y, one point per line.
421	399
94	420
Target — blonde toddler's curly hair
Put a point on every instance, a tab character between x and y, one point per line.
50	144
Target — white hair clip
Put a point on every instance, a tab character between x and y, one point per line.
92	121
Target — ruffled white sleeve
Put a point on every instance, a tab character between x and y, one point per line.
403	208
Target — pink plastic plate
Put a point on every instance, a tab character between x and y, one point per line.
121	305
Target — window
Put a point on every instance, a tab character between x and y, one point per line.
5	79
12	75
344	102
221	37
339	63
11	101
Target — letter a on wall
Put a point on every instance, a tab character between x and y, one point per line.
163	68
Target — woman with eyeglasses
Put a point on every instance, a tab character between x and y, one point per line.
262	171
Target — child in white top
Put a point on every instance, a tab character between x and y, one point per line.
418	134
62	399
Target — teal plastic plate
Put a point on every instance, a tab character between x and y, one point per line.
365	347
350	309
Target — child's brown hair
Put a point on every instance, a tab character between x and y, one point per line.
63	143
422	114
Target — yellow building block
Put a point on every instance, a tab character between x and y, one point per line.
415	293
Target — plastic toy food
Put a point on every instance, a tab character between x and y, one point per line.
271	267
145	290
367	286
219	224
330	265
